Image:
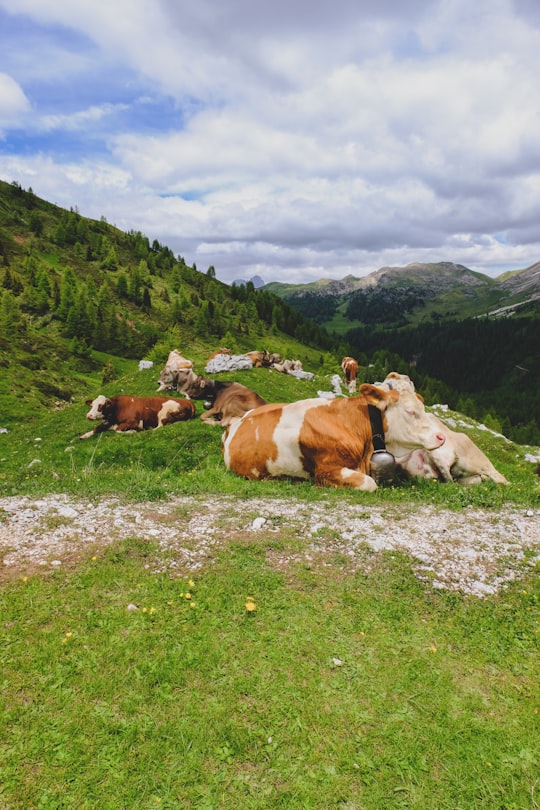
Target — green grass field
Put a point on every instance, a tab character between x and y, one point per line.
242	685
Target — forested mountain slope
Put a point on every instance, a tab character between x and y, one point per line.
418	292
77	294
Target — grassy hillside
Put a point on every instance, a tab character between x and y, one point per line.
78	294
43	453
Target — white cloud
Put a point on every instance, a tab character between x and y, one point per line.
14	106
301	140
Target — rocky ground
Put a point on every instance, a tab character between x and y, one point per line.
473	551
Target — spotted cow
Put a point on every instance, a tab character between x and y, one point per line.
125	413
327	440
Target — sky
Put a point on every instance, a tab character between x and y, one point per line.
294	140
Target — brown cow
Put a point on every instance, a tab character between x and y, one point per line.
259	359
224	401
127	414
350	370
328	440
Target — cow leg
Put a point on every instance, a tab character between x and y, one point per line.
442	469
213	416
470	480
130	426
344	477
101	428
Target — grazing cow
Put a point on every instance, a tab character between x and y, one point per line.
328	440
350	370
224	401
125	413
177	371
459	459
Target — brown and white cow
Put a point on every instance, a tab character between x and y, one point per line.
350	370
459	459
328	440
224	401
125	413
177	372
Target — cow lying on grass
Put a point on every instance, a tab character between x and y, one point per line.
224	401
127	414
459	459
178	370
328	440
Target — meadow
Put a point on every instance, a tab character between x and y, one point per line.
242	685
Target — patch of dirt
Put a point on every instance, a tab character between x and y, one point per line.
473	551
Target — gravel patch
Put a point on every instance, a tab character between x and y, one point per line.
473	551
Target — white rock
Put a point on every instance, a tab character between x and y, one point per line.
258	523
67	512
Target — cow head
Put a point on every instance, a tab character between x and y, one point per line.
97	407
398	382
406	424
199	387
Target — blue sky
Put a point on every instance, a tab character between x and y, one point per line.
294	141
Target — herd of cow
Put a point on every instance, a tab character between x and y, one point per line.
333	441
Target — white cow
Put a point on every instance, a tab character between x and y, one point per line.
459	459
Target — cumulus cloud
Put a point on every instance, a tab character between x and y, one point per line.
294	141
14	106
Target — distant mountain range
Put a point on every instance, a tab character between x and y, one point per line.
397	296
257	281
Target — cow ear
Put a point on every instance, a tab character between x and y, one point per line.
88	402
378	396
420	397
